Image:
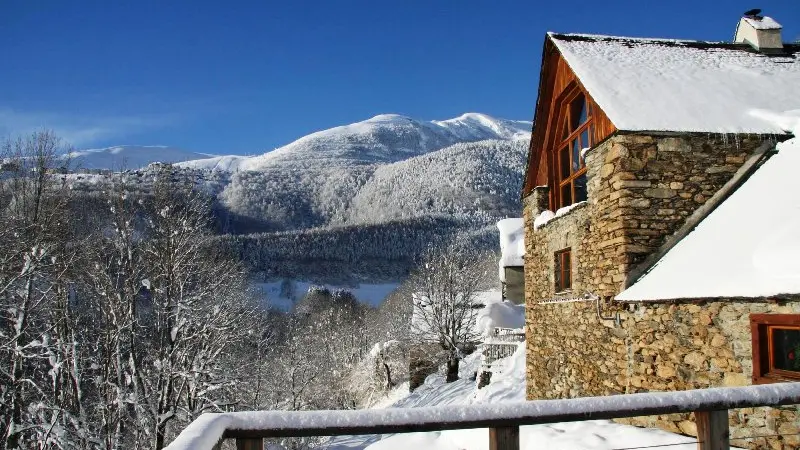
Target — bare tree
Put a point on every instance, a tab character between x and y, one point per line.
34	325
171	303
445	289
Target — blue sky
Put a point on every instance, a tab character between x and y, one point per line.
246	77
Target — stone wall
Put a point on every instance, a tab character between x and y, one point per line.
641	189
514	284
572	352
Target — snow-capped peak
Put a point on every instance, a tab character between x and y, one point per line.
470	123
388	138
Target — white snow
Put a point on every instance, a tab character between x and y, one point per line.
765	23
227	163
542	219
380	139
546	216
129	157
498	314
653	84
749	246
512	242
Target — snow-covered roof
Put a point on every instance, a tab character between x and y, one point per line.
748	247
685	86
764	23
512	242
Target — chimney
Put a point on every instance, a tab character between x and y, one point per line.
761	32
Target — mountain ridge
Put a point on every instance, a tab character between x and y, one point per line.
120	157
373	140
383	138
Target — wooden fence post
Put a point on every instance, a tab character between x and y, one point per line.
712	430
504	438
249	444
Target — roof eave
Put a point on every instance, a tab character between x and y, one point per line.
542	80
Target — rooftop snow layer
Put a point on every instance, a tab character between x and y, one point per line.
765	23
689	86
748	247
512	242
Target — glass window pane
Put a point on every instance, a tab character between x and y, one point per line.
585	138
576	155
577	110
786	349
558	272
565	162
580	189
567	264
566	195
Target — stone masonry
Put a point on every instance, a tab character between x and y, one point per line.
641	189
655	347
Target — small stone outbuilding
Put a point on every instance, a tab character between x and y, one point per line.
511	264
662	221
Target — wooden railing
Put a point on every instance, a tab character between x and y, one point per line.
710	406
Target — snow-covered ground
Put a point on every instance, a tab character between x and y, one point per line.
508	385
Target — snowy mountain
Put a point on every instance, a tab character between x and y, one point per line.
385	168
463	179
467	180
129	157
382	139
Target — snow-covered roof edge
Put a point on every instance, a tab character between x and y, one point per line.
649	284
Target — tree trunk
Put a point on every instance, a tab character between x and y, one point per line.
389	382
452	369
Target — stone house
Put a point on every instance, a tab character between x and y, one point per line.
662	221
511	265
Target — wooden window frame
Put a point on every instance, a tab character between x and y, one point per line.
563	120
563	275
761	328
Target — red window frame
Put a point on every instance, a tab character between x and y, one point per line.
563	270
762	327
565	147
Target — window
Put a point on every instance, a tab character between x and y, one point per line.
776	347
563	270
576	127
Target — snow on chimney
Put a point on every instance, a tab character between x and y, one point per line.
761	32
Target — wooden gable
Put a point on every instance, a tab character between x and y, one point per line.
555	80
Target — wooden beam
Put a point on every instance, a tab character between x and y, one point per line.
712	430
249	444
504	438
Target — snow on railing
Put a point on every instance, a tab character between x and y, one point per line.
709	405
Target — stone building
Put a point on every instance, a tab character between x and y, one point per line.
511	265
662	221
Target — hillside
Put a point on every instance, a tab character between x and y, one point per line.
129	157
356	203
473	180
508	385
382	139
467	179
